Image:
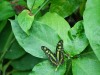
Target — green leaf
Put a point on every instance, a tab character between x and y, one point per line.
34	4
30	3
46	68
27	62
64	7
5	38
0	65
40	35
57	23
2	24
38	3
87	64
6	10
15	51
25	20
92	25
82	7
21	73
77	40
21	2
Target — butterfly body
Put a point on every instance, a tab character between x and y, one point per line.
56	58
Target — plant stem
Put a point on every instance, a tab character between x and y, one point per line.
9	73
69	64
41	7
7	45
33	5
5	68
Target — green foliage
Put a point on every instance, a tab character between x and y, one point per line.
2	24
57	23
77	40
34	4
64	7
20	64
6	10
46	68
87	64
39	35
21	73
43	23
92	25
15	51
26	21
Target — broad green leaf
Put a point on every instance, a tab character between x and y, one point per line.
6	10
77	40
2	24
64	7
27	62
57	23
34	4
92	24
46	68
25	20
40	35
87	64
21	73
15	51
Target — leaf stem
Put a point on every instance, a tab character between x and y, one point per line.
5	68
7	45
41	7
69	64
9	73
33	5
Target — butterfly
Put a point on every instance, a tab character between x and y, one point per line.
55	58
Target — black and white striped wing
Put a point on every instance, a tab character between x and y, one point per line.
50	55
59	52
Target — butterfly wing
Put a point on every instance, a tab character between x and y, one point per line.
59	52
57	58
50	55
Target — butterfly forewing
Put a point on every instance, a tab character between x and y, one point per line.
50	55
59	52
